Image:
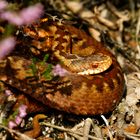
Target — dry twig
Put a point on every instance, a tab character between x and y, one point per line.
75	134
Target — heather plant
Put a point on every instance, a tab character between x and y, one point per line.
15	18
12	16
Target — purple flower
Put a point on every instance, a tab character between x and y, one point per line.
8	92
6	46
58	70
12	17
12	124
18	120
31	13
3	5
22	111
19	117
26	16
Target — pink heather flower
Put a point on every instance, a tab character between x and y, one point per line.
8	92
59	71
18	120
6	46
22	111
31	13
12	124
12	17
3	5
25	16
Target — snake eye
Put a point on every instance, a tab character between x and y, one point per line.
94	66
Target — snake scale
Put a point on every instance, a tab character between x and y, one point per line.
87	92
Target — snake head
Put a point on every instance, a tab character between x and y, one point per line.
94	64
85	65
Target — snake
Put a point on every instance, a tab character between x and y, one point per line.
93	82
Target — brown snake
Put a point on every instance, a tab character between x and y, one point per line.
94	83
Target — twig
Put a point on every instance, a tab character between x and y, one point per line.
108	127
127	56
20	135
104	21
132	136
137	34
121	15
72	133
88	123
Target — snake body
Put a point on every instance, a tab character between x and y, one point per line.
89	92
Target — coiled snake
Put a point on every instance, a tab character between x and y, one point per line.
93	84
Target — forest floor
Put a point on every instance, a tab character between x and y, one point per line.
117	25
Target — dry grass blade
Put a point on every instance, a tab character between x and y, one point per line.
18	135
70	132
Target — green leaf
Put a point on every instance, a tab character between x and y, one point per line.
9	30
45	57
33	66
47	72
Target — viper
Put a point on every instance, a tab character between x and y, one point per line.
92	82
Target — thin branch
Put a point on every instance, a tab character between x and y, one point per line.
72	133
20	135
